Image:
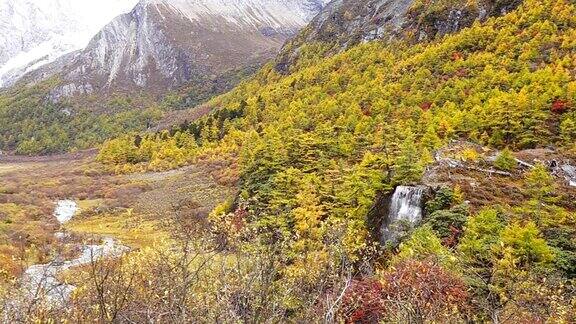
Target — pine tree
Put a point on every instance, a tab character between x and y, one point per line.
540	187
568	131
505	161
408	168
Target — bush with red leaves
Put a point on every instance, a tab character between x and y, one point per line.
422	291
456	56
426	105
452	240
559	106
363	302
412	292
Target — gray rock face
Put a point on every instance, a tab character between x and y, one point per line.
570	172
564	170
34	33
163	44
344	23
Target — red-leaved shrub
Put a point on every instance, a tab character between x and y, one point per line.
419	291
559	106
363	301
412	291
426	105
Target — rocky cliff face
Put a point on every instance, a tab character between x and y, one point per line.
161	45
344	23
34	33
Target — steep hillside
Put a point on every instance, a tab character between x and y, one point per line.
161	56
345	23
32	125
318	154
162	45
34	33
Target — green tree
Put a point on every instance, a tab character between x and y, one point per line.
424	244
448	224
505	161
481	236
540	186
525	245
568	131
408	168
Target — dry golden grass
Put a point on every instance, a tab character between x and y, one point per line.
28	192
134	210
129	229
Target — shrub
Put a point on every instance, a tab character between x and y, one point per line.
505	161
559	106
448	224
423	291
363	302
443	199
470	155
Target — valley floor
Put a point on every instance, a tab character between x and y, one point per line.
143	216
135	210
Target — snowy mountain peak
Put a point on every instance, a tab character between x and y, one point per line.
158	45
274	13
34	33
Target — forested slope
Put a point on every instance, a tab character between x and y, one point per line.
32	125
313	150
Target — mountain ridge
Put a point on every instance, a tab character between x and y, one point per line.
162	45
35	33
344	23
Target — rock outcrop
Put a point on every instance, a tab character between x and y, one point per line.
34	33
161	45
344	23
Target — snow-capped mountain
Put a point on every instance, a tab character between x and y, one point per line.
163	44
36	32
280	14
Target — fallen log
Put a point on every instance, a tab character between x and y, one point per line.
524	164
502	173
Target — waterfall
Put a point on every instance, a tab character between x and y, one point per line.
404	212
406	204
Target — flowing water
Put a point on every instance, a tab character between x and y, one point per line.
405	211
65	210
41	280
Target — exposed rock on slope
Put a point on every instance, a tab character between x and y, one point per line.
34	33
165	44
344	23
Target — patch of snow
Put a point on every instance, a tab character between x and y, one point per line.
279	14
54	36
34	33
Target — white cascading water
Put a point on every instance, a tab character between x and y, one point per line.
65	210
405	209
570	174
43	279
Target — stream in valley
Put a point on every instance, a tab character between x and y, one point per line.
42	279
